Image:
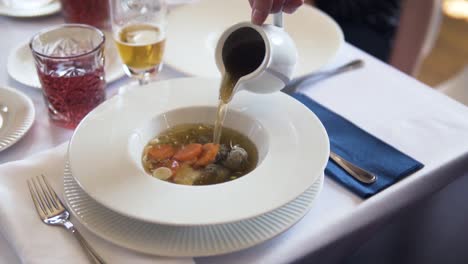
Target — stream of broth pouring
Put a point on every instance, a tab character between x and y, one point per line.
240	61
225	92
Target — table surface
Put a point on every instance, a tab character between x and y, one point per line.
396	108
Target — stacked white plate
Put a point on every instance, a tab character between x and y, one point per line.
184	241
109	192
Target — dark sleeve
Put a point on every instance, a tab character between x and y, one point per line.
356	9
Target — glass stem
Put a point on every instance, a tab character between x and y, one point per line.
144	78
143	81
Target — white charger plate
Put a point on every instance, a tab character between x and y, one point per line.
193	31
106	148
183	241
19	118
21	65
34	10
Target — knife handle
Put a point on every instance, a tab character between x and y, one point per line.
355	171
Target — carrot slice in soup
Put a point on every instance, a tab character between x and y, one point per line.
161	152
210	150
188	152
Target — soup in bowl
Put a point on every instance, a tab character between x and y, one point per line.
181	152
185	154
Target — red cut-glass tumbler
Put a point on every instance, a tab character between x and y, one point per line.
90	12
70	64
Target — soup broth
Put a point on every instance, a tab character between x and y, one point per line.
185	155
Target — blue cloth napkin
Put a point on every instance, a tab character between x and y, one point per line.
361	148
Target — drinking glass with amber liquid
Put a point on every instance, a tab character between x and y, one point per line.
139	29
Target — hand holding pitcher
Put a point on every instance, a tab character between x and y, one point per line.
261	8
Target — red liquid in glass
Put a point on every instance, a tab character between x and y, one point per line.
91	12
70	98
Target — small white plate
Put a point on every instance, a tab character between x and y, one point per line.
21	64
19	118
193	31
35	11
106	148
184	241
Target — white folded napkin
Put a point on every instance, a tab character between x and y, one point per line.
36	242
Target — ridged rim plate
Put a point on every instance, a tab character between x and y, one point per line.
19	118
183	241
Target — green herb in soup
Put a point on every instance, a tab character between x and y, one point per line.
185	154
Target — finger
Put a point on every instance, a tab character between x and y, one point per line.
251	3
260	10
290	6
277	6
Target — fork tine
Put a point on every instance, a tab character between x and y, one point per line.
53	195
47	195
41	195
37	203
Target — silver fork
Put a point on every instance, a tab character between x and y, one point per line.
52	212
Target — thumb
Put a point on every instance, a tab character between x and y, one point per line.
260	10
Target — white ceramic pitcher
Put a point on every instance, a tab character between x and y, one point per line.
279	61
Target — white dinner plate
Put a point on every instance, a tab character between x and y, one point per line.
32	9
184	241
106	149
193	31
18	120
21	64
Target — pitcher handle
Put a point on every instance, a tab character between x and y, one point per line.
278	19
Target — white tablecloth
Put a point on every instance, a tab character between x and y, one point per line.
398	109
32	240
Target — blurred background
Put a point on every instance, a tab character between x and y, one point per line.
449	54
427	39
